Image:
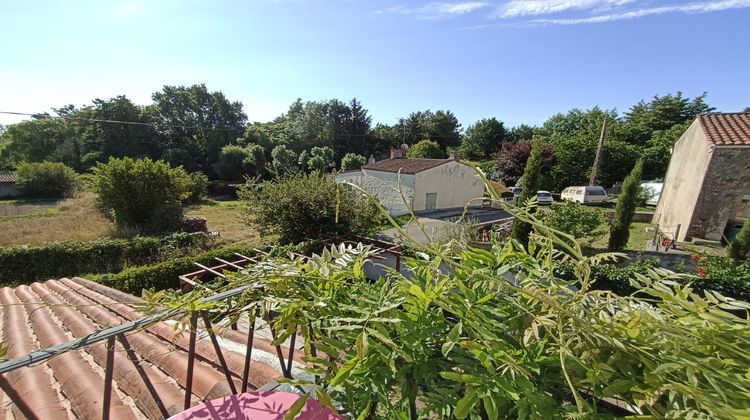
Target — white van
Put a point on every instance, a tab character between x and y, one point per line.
585	195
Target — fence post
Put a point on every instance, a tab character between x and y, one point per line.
106	401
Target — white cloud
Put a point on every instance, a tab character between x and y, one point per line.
516	8
435	10
690	8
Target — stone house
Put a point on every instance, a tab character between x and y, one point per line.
402	184
707	184
8	186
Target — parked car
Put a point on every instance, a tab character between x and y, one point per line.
585	195
544	198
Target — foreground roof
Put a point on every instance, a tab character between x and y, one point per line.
7	177
71	385
405	166
726	129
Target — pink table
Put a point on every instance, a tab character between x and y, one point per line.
256	406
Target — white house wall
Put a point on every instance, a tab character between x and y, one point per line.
683	182
385	186
455	183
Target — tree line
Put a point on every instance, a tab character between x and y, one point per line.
204	131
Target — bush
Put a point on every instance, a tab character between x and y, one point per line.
22	264
352	161
426	149
530	184
142	193
165	275
232	162
308	206
724	275
198	188
739	248
46	179
576	220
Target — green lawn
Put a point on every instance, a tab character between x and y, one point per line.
226	217
638	237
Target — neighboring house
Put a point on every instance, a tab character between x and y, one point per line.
8	186
402	184
708	181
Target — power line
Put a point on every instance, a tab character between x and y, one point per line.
145	124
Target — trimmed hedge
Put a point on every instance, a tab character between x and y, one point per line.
24	264
165	275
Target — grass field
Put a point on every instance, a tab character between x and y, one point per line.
638	237
28	222
226	217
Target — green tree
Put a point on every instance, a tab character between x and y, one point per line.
483	139
426	149
197	120
142	194
532	176
283	161
658	150
46	179
308	206
522	132
661	113
739	248
256	160
352	161
232	162
619	230
321	159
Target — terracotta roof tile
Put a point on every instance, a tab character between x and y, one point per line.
726	129
7	177
407	166
71	384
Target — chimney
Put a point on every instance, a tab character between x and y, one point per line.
453	155
371	160
397	153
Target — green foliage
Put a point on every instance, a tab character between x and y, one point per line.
321	159
426	149
23	264
619	230
455	339
739	248
198	188
729	277
352	161
511	161
232	162
576	220
46	179
308	206
530	185
283	161
142	193
483	139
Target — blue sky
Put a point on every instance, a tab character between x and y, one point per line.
521	61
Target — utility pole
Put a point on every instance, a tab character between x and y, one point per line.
599	151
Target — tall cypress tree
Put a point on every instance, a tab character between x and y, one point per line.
532	175
619	230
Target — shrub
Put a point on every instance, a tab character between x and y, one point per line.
619	230
308	206
198	188
46	179
576	220
530	184
739	248
22	264
142	193
352	161
165	275
728	277
232	162
426	149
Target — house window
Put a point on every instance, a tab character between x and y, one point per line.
430	202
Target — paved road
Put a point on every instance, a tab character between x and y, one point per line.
435	224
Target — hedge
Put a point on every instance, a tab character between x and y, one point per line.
165	275
24	264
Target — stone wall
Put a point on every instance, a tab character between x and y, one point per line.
727	181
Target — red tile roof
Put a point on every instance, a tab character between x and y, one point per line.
71	385
407	166
726	129
7	177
